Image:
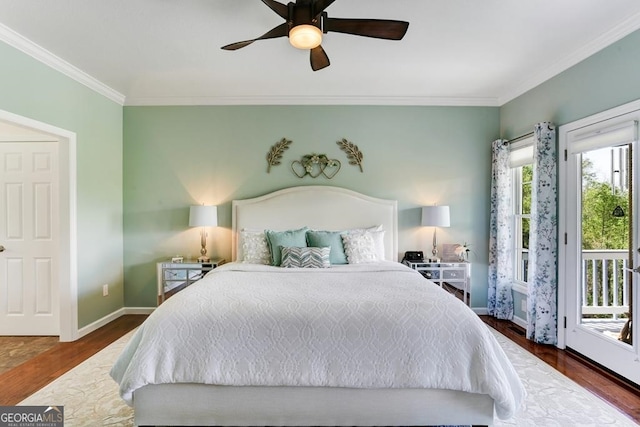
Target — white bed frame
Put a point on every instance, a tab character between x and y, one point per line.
324	208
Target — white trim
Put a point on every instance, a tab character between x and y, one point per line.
480	311
314	100
628	26
520	322
569	225
91	327
39	53
139	310
519	288
601	135
609	114
94	326
68	221
14	39
26	139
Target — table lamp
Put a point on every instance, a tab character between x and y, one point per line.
435	216
203	216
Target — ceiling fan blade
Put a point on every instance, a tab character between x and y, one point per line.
319	59
281	30
378	28
320	5
279	8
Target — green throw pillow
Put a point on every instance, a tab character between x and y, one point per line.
278	239
331	239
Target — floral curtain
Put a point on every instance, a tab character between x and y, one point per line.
543	240
500	298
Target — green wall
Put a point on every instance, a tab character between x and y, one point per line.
604	80
178	156
32	89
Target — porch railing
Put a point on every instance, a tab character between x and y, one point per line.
605	282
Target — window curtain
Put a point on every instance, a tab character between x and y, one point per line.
500	298
543	239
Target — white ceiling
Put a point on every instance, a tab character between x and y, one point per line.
456	52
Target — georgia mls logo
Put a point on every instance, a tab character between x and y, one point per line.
31	416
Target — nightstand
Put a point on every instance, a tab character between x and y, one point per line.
175	276
455	277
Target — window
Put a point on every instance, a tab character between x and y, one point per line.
521	161
523	176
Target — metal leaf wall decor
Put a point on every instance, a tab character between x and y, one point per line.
275	153
353	152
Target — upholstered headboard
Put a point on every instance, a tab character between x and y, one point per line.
317	207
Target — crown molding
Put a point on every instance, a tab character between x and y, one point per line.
37	52
625	28
315	100
21	43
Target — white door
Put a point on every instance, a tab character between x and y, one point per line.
29	288
602	242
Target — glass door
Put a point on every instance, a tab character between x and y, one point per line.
602	246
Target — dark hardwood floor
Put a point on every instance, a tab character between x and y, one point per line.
29	377
607	386
22	381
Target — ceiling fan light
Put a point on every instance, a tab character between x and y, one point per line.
305	36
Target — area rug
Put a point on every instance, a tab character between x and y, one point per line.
90	396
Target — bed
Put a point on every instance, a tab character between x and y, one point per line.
363	343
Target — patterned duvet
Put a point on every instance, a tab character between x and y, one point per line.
379	325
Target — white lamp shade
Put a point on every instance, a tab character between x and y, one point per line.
203	216
435	216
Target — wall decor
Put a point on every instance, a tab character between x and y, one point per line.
353	153
315	165
275	153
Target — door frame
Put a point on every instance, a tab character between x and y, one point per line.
566	224
68	262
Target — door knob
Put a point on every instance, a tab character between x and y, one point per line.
1	248
634	270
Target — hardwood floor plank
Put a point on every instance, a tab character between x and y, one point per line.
29	377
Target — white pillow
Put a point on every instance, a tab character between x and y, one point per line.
254	247
359	247
378	239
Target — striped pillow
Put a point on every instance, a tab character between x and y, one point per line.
305	257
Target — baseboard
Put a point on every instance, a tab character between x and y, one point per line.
139	310
520	322
480	311
111	317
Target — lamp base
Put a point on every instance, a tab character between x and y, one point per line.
203	258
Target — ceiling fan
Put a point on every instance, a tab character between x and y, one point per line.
306	21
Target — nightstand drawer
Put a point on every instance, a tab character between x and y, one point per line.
452	276
175	276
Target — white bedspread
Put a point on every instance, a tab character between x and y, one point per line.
360	326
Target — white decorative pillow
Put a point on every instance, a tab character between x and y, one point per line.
305	257
254	247
378	239
359	247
